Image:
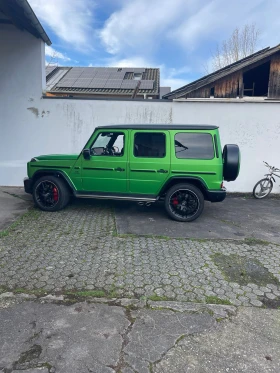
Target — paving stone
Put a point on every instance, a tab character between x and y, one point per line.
82	253
256	302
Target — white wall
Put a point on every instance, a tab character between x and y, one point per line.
30	125
63	126
22	67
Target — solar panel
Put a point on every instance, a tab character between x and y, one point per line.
66	83
129	84
81	83
102	75
113	83
117	75
97	83
134	69
147	84
50	69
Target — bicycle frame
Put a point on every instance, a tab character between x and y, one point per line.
271	174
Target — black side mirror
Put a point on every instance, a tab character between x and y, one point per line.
86	153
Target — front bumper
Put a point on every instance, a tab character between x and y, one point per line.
27	185
216	195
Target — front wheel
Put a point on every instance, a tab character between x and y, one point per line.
50	193
184	202
262	188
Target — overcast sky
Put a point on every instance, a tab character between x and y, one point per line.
179	36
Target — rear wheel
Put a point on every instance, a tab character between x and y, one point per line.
262	188
184	202
50	193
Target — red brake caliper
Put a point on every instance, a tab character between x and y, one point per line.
55	194
175	201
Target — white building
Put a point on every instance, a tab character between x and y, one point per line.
22	76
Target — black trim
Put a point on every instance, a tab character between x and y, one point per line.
152	171
216	196
44	166
40	173
209	195
98	168
27	185
216	146
108	195
193	173
159	127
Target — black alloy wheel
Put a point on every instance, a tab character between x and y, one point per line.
184	202
50	193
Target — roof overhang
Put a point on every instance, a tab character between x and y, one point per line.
20	14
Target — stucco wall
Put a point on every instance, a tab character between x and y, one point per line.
63	126
22	69
30	125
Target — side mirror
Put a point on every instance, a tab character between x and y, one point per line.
86	153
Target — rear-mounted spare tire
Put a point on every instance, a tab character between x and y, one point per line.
231	159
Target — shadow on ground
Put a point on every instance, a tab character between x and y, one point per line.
235	218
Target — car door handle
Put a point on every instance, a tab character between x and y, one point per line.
161	171
119	169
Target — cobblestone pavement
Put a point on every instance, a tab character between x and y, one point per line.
78	249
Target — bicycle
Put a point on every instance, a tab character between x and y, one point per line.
264	187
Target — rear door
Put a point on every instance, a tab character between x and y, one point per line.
149	161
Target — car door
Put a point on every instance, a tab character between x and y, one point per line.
106	170
149	161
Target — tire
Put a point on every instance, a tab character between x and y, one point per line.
50	193
265	186
184	202
231	160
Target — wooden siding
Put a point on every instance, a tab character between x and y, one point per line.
203	92
228	86
274	77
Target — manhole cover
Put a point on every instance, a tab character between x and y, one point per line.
244	270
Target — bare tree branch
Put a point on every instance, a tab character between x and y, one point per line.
242	42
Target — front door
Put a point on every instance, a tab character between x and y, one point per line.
149	164
106	170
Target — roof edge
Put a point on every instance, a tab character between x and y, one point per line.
227	70
34	20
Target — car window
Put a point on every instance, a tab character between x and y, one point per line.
108	143
194	145
147	144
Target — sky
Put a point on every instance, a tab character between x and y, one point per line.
177	36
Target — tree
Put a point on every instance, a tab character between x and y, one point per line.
242	42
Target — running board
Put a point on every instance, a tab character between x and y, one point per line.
126	198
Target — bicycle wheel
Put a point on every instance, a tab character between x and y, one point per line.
262	188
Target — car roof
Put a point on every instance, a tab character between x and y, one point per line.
160	127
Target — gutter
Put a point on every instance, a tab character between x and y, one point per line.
34	20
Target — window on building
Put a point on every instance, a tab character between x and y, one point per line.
255	81
147	144
194	145
137	76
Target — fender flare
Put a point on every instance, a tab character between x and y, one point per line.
37	174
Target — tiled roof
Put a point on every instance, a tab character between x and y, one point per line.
229	69
102	80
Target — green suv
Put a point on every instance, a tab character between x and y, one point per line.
182	165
